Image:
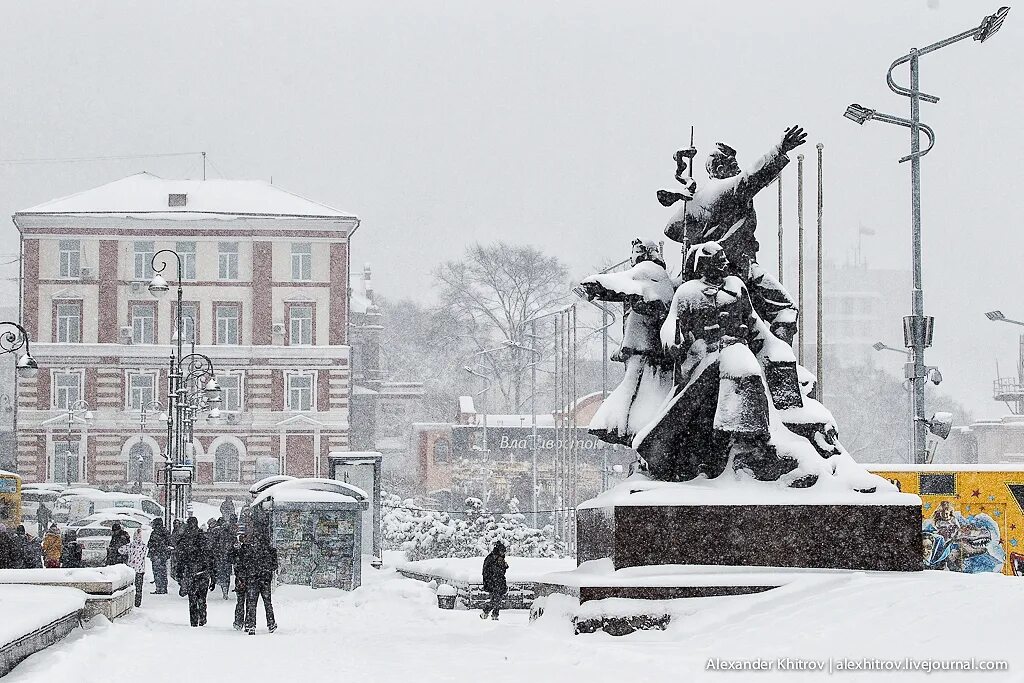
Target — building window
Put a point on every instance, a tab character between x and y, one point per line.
68	316
231	392
302	261
66	463
299	391
70	258
187	252
227	319
226	463
189	321
140	461
144	260
267	466
141	389
67	389
300	324
143	320
227	260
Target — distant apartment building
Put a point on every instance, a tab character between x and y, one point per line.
861	306
266	297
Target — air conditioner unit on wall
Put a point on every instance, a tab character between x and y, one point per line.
126	335
138	287
232	418
278	328
87	273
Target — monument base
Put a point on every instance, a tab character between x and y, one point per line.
861	537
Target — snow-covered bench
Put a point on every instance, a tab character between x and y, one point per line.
109	591
35	617
464	575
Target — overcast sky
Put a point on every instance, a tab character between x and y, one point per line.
545	123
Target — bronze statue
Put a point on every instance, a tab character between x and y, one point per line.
645	291
722	210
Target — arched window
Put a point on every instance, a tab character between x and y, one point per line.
226	463
140	459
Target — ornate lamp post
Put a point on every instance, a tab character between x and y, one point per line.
917	327
186	375
74	409
150	406
12	341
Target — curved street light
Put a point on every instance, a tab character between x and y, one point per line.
12	341
917	328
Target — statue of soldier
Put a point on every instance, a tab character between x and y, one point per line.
645	291
720	408
722	210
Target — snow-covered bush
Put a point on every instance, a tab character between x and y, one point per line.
425	534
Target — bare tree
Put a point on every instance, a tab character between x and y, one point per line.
494	290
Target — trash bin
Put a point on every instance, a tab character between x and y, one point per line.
446	596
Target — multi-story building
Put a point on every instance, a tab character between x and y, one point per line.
266	294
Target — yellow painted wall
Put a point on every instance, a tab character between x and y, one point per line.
974	492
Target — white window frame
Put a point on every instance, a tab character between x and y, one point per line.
131	389
139	326
289	390
302	326
144	259
70	258
302	261
56	390
240	377
189	320
227	260
237	468
187	252
66	330
223	338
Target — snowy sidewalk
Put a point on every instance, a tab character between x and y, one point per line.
391	631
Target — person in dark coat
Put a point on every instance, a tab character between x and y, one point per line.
28	549
177	529
159	551
196	575
9	553
43	517
227	537
259	558
71	552
494	580
118	538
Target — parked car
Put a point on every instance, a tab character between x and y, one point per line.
31	497
95	538
139	515
78	504
127	521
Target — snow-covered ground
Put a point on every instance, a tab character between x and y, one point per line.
469	569
391	630
24	609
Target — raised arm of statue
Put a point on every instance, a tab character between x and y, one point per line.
768	167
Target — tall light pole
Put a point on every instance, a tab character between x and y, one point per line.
143	409
79	406
188	376
1007	390
918	328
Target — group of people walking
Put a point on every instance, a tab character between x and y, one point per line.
21	550
200	559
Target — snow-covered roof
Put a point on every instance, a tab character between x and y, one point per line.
294	490
146	195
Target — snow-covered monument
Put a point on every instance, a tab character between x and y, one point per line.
739	464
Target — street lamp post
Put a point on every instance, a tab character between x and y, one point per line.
143	411
189	377
13	338
918	328
79	406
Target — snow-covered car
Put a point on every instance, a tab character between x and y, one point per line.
138	515
128	521
95	537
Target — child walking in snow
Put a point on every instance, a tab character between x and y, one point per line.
136	554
